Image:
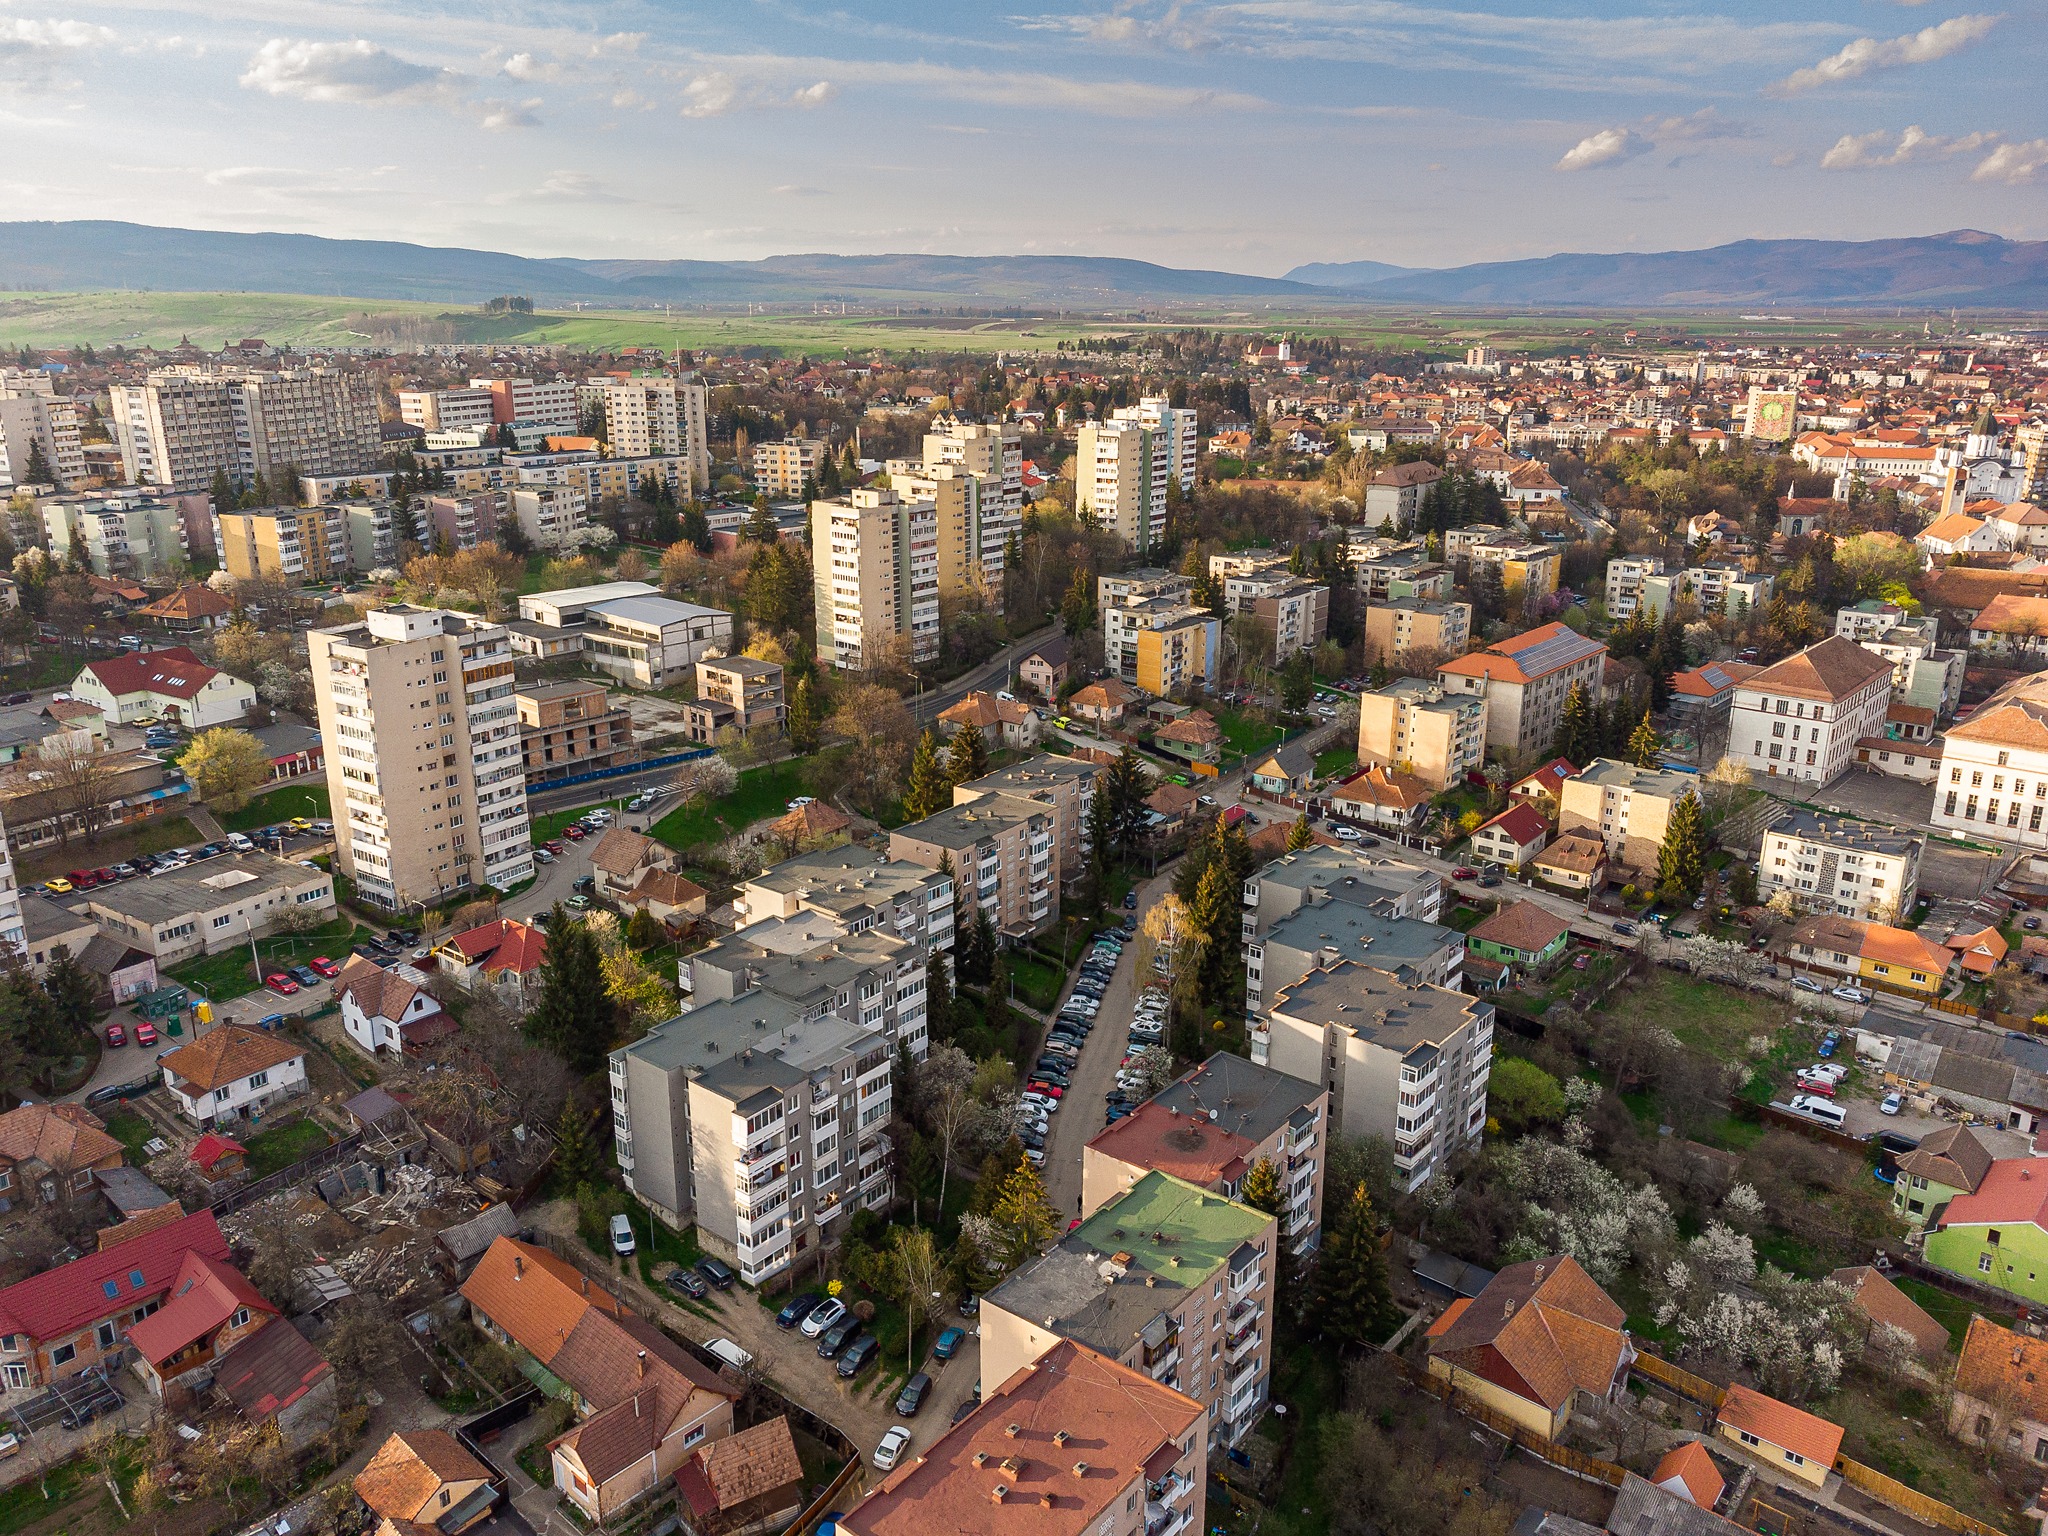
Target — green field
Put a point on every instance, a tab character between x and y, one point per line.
306	797
227	973
762	792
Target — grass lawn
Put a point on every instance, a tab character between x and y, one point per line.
1465	919
661	1246
551	824
1704	1014
1951	1311
112	848
1561	983
23	1505
763	792
306	797
1336	760
132	1131
1038	984
1242	735
227	974
282	1145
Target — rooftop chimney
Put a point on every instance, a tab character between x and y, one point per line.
518	1266
1060	1437
1013	1430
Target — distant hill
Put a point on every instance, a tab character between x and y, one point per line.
1963	268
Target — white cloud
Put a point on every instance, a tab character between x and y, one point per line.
717	93
2014	164
359	73
813	95
1610	146
1869	53
524	66
1870	151
25	32
710	95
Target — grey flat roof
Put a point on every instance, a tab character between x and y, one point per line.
1346	874
962	826
1376	1007
755	1022
1359	933
837	879
178	892
1249	1100
657	611
544	691
1842	832
42	918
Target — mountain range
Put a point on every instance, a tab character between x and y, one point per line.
1960	268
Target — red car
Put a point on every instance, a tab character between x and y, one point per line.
555	845
83	879
324	966
1823	1086
145	1033
1462	873
105	876
116	1035
277	981
1050	1090
575	834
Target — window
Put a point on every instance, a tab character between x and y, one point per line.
445	1497
1983	1263
135	1281
259	1079
1795	1458
240	1318
692	1435
112	1288
106	1335
63	1354
1747	1438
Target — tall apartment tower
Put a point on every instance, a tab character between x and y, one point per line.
445	410
875	569
657	415
993	453
423	762
184	424
289	544
30	420
1120	477
13	930
1176	424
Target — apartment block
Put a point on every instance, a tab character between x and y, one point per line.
1924	675
1416	626
462	521
127	534
1994	767
1124	589
1527	570
993	453
549	404
1168	1279
13	925
1297	612
288	544
1004	847
1722	588
642	415
183	425
1064	785
1525	681
1802	717
1395	494
624	628
1174	427
786	470
1120	478
1210	1127
875	566
757	1124
1326	930
1296	880
1421	728
375	532
858	890
1184	651
1401	1060
1625	577
1861	869
1129	607
1009	1468
448	410
30	420
551	516
425	768
570	728
736	692
1626	807
956	499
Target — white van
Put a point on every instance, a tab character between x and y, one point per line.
1814	1107
730	1353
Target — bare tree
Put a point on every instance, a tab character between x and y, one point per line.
81	785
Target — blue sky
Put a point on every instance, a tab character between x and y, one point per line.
1243	134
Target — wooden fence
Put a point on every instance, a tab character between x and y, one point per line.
1693	1388
1563	1457
1911	1501
822	1505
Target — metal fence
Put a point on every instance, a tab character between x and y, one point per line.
595	774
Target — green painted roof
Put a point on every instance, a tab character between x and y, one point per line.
1162	1220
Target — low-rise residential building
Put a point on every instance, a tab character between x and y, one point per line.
1045	670
50	1152
1703	697
1514	837
1396	493
736	692
1293	611
2000	1399
1836	864
570	728
230	1072
1627	808
1326	930
212	1309
1002	722
787	470
1881	1304
1951	1160
426	1478
1997	1233
1166	1277
125	534
194	609
1008	1468
1004	847
503	957
1295	880
1125	601
1994	767
170	684
1417	628
211	906
1802	717
1392	802
1725	589
1435	734
1387	570
1924	675
1786	1439
1521	940
1527	571
389	1011
1211	1126
1625	577
1401	1060
1524	681
1872	954
1539	1341
1184	651
1287	770
1575	861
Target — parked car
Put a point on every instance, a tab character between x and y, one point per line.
822	1316
1130	900
949	1343
145	1033
797	1309
859	1355
1626	929
116	1035
1824	1086
1833	1071
1807	984
623	1242
720	1277
280	983
1892	1103
58	887
912	1397
240	842
689	1282
1464	872
892	1446
305	976
1850	994
837	1337
324	966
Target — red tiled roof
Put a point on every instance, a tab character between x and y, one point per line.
1541	1329
1693	1469
1833	670
504	945
227	1054
271	1369
205	1295
194	601
65	1137
173	671
212	1147
1521	822
1154	1136
63	1300
1780	1424
1525	926
2013	1190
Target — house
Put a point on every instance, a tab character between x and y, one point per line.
1787	1439
1979	953
274	1376
1544	787
1387	799
1702	697
1514	837
1689	1473
810	827
230	1070
218	1157
50	1152
194	609
212	1307
1574	861
1873	954
1104	703
1539	1339
1523	937
1195	738
1044	670
670	897
2000	1398
504	956
1002	722
1882	1304
389	1010
170	684
77	1315
1287	771
1802	717
425	1479
1997	1234
2012	626
1948	1162
621	857
747	1484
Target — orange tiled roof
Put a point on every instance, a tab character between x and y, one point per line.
66	1138
1541	1329
1901	946
228	1054
1833	670
1780	1424
1694	1470
1998	1365
410	1468
534	1297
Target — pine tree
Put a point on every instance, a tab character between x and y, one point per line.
38	471
967	759
938	998
1682	861
1126	783
1077	608
1299	836
1101	835
1354	1303
1261	1187
1578	737
801	725
1216	920
71	989
927	790
1645	746
1025	1211
761	527
574	1016
576	1156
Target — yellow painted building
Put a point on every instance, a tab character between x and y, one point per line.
1180	656
290	544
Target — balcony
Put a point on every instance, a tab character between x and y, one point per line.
1246	1279
1242	1346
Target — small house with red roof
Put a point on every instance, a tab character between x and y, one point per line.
390	1012
1786	1439
50	1152
71	1318
1002	722
212	1307
502	957
1980	953
170	684
1997	1234
219	1157
273	1376
1383	797
193	609
1514	837
1543	787
1690	1472
744	1485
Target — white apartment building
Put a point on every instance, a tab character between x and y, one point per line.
1923	674
448	410
1994	767
1859	869
124	534
1401	1060
1120	477
1525	681
1625	578
1725	589
875	568
183	424
424	768
993	453
1801	718
551	516
647	416
1176	429
31	420
548	405
13	927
